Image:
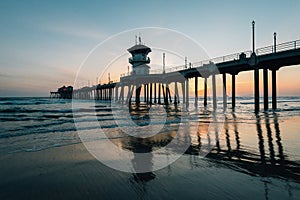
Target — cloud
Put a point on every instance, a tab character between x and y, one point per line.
81	31
5	75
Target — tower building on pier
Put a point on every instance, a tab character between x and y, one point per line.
139	58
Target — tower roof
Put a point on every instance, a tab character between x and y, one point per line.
139	47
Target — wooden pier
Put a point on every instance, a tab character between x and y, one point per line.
62	93
172	85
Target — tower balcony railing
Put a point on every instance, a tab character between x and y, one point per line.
146	60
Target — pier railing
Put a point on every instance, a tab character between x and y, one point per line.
279	47
236	56
216	60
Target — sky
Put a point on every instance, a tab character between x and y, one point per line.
44	44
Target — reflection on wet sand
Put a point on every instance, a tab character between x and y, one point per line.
145	162
236	132
230	147
255	161
260	140
278	139
144	146
246	160
266	165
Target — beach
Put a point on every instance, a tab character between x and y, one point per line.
255	158
150	100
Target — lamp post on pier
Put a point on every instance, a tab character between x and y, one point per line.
274	92
253	36
256	72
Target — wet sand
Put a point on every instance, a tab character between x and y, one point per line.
256	159
67	172
70	172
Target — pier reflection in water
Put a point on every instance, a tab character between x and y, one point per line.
256	160
248	145
263	160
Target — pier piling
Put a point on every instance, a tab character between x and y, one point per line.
187	92
256	89
224	92
205	92
154	92
196	92
274	92
266	97
214	91
233	91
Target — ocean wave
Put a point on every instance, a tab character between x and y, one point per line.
45	117
31	101
26	110
22	132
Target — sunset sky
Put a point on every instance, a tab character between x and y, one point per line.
44	43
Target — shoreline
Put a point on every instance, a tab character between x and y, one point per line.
236	171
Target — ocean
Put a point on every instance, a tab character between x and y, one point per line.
252	157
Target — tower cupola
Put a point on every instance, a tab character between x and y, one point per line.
139	59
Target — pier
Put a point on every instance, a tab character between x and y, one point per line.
62	93
171	85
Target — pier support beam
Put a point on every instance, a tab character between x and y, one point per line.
224	92
256	89
130	88
233	91
266	96
131	93
214	91
183	92
110	94
176	96
116	93
159	89
169	93
121	99
138	94
164	94
97	94
150	94
205	91
187	92
105	94
274	89
196	92
147	93
145	90
154	92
